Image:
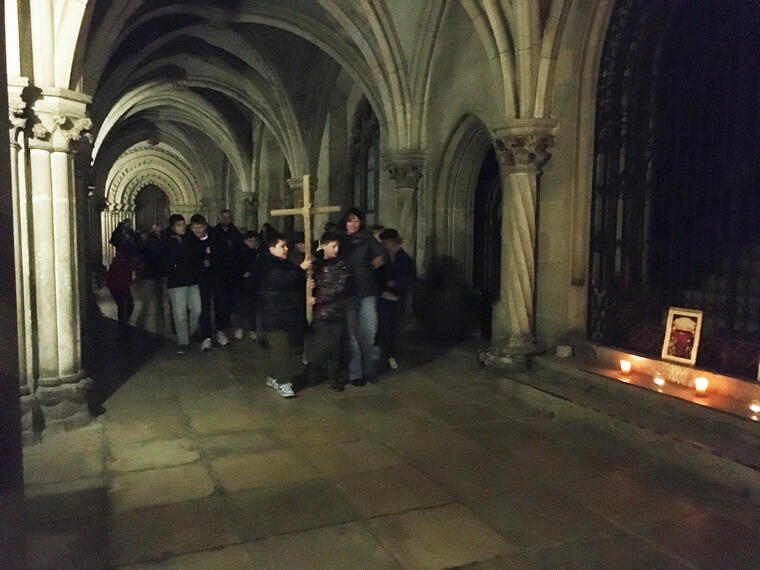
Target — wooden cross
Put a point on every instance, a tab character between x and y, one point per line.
307	211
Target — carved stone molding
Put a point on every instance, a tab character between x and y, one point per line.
405	168
524	145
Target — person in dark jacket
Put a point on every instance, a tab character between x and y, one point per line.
331	278
227	272
125	238
282	292
119	281
182	267
396	276
247	296
212	281
362	253
150	253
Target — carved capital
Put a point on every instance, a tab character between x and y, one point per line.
524	144
405	168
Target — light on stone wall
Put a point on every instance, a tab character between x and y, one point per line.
700	386
625	366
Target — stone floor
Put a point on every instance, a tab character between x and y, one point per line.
196	464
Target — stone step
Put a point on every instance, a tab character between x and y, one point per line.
714	445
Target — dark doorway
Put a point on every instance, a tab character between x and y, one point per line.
486	274
675	199
151	207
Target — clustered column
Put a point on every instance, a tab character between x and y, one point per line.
47	263
405	169
522	149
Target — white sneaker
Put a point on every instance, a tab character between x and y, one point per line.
392	364
222	339
252	335
286	390
239	333
206	344
272	382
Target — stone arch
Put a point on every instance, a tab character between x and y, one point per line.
460	166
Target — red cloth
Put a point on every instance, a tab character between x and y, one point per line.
119	274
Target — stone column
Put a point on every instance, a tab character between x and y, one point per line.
21	225
522	148
58	121
405	169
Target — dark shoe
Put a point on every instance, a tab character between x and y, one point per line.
359	382
336	386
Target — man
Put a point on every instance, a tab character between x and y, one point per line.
211	255
228	271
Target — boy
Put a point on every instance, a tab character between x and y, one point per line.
247	296
282	292
211	281
227	271
331	276
396	278
182	269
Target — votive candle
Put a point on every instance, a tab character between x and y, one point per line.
700	386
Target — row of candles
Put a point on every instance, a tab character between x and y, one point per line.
700	385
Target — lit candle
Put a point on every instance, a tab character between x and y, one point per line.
755	406
700	385
625	366
659	379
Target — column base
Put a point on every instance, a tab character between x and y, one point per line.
63	407
511	355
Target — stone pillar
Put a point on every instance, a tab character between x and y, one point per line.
405	169
522	148
58	121
22	247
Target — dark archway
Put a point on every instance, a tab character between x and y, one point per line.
151	207
487	240
675	195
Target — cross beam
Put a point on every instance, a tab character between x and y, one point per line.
307	212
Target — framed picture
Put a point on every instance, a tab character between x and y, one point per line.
682	332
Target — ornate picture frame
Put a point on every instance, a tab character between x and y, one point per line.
682	333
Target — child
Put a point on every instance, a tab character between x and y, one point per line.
247	296
182	269
119	279
396	278
331	279
282	293
211	282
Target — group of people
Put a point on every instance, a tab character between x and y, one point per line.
258	281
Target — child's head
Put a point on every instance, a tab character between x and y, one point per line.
198	226
177	224
391	240
353	220
330	242
299	242
377	229
251	240
277	245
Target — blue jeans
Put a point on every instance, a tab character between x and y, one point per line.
361	322
185	300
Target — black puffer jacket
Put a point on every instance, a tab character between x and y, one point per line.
282	295
181	262
331	279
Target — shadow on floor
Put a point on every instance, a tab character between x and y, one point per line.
111	358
